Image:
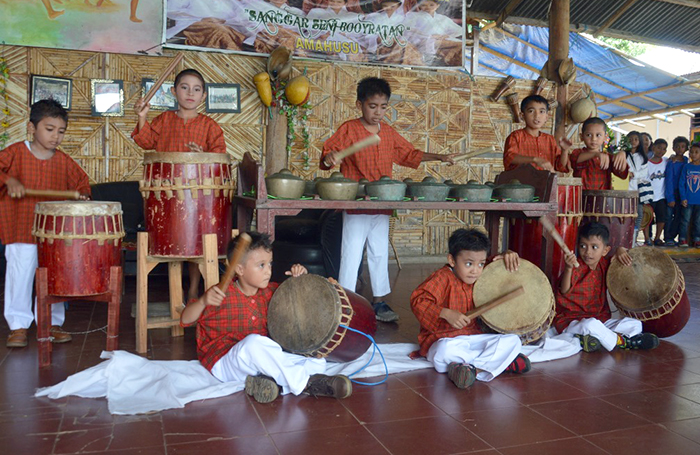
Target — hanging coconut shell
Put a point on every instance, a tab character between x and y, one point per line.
297	90
567	71
279	64
583	109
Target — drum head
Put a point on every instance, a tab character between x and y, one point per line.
648	283
522	314
78	208
304	314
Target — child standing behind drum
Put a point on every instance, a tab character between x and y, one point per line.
582	306
592	164
36	165
530	145
449	339
673	198
232	339
370	226
180	131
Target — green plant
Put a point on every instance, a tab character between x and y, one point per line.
296	116
5	122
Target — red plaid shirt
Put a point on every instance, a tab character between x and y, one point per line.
372	162
593	177
520	142
586	297
170	133
220	328
59	172
441	290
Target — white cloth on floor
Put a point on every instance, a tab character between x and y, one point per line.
487	352
135	385
257	354
606	331
552	346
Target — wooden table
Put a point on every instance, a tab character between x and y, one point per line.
250	178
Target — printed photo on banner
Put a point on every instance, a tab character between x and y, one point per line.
164	98
107	97
426	33
47	87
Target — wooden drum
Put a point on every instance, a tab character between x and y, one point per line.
528	316
305	317
652	290
615	209
525	235
186	195
78	243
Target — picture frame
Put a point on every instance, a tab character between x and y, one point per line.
107	97
223	98
164	99
49	87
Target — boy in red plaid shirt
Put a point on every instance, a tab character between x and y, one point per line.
530	145
38	165
182	130
370	226
592	164
582	305
450	340
232	341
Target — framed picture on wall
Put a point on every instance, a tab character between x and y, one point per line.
48	87
107	97
163	99
224	98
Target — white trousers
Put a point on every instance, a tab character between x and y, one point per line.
256	354
489	353
22	262
358	230
606	331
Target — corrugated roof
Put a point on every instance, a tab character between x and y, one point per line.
671	23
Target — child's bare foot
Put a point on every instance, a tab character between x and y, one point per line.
135	19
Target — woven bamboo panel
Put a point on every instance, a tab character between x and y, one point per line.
17	91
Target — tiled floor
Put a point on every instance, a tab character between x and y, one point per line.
602	403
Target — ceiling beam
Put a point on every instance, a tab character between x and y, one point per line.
510	7
616	15
653	90
620	118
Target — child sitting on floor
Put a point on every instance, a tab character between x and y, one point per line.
232	339
450	340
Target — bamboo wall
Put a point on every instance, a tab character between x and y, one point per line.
438	111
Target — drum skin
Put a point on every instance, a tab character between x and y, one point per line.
652	290
78	243
615	209
525	235
186	195
305	314
528	316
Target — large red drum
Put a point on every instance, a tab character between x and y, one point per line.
78	243
306	316
651	290
614	208
525	235
186	195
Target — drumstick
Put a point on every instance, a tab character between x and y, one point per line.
549	227
151	93
357	146
494	303
53	193
474	153
238	252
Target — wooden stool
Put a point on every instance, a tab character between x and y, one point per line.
208	265
43	310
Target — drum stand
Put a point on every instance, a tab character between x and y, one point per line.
208	265
43	310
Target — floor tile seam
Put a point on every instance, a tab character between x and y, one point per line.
668	389
219	438
515	404
677	433
627	410
646	422
461	423
625	429
376	438
544	442
334	427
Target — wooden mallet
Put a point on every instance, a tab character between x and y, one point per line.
549	227
238	252
357	146
154	89
473	153
473	314
75	195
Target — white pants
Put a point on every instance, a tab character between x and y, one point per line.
256	354
489	353
374	230
22	262
606	331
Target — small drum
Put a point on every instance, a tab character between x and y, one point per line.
528	316
186	195
615	209
305	317
78	243
525	235
652	290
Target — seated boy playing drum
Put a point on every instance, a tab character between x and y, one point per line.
232	341
452	341
582	306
